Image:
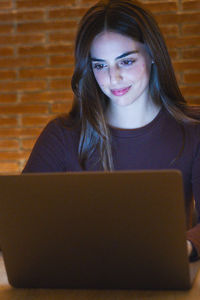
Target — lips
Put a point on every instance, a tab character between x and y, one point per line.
120	92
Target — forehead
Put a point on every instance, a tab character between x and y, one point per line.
108	45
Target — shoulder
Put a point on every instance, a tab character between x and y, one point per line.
186	130
193	126
61	125
192	133
189	119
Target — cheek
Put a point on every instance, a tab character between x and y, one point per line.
140	71
133	74
100	78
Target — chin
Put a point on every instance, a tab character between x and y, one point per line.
122	103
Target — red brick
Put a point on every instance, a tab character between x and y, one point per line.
6	4
167	19
45	26
87	2
6	51
174	54
23	109
35	121
22	132
9	167
45	50
58	84
191	53
181	66
61	107
49	97
56	60
19	39
191	5
27	144
22	86
22	62
62	37
67	13
193	101
178	77
160	7
5	122
189	17
6	29
9	145
21	15
178	18
13	155
169	30
43	3
180	42
7	74
46	73
192	77
191	29
190	90
8	98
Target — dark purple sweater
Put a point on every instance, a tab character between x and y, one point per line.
158	145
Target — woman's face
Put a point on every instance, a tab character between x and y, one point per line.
121	67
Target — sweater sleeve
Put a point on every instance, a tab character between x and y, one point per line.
49	151
194	234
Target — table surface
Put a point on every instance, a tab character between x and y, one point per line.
9	293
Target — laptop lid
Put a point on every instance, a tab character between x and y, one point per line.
94	230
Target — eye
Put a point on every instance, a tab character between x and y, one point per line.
99	66
127	62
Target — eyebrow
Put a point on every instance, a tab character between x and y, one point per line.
121	56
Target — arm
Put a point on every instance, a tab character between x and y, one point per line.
193	234
49	151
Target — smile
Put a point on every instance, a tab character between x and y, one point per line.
120	92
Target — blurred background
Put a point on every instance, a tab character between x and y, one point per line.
36	64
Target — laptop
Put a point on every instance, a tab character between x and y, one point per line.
95	230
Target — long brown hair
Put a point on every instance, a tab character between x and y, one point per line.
128	18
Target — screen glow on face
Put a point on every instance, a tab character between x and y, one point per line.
121	67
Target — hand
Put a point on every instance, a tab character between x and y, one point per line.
189	248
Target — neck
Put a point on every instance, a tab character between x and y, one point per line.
133	116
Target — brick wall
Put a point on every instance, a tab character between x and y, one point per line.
36	63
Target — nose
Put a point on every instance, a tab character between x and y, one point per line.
115	75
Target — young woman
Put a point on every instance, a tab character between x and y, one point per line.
128	112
